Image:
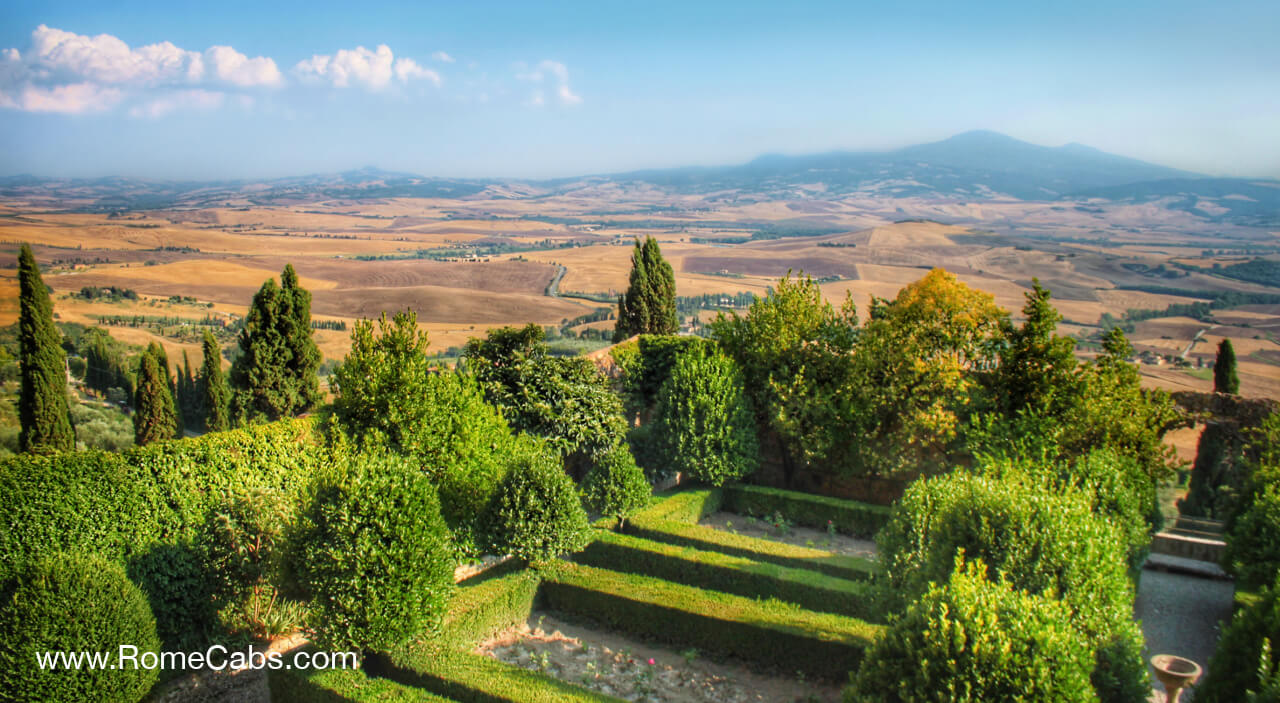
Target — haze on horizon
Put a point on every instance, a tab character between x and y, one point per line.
240	90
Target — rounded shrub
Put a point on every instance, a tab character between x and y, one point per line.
373	554
614	486
74	603
1253	540
1042	541
705	424
535	514
973	639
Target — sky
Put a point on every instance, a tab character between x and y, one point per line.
232	90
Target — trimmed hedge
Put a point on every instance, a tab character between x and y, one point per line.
684	506
341	686
475	678
483	608
772	633
791	556
849	517
731	574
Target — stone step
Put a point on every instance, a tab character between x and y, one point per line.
1194	533
1188	547
1199	524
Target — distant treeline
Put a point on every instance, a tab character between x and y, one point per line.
338	325
1198	311
1218	299
465	251
112	293
1264	272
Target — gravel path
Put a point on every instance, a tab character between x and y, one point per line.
1182	615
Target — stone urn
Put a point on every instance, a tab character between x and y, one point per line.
1175	673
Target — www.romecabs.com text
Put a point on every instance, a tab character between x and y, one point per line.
216	657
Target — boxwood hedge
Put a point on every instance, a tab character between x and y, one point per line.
846	516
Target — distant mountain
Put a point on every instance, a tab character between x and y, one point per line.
978	164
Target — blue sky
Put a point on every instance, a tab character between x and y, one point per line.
262	89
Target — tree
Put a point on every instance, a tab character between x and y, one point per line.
154	417
305	355
42	406
649	305
380	384
215	397
188	398
260	375
662	290
633	306
1225	378
705	424
1037	368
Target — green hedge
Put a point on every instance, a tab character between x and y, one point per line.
775	634
788	555
342	686
483	607
476	678
683	506
848	516
732	574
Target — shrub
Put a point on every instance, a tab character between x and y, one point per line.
645	365
1042	541
242	545
1253	543
704	421
977	640
177	584
374	556
614	485
535	513
76	603
1244	652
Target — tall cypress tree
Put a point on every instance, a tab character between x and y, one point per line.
154	417
188	399
661	294
260	374
633	306
296	321
1225	378
42	407
213	387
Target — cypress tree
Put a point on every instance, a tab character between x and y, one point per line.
661	294
154	417
296	329
633	306
213	387
1225	378
260	374
1037	368
42	406
188	399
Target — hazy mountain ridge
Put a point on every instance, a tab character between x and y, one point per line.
970	167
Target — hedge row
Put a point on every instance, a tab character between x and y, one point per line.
732	574
771	633
684	506
484	606
788	555
476	678
342	686
848	516
121	505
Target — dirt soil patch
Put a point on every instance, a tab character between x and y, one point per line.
764	528
629	669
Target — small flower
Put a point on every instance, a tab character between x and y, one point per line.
651	662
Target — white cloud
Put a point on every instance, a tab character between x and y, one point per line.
408	69
235	68
181	100
442	57
68	72
72	98
549	72
372	69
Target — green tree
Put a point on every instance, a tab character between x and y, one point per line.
705	424
662	290
188	398
154	417
795	353
1225	378
42	405
305	355
379	384
1037	368
260	374
215	398
649	305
